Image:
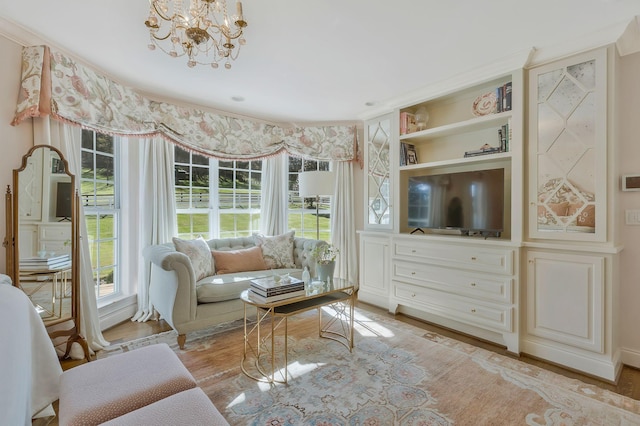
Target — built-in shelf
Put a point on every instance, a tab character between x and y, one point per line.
479	159
471	125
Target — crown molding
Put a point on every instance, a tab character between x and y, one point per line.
478	75
629	42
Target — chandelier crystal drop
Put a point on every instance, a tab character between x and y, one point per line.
202	30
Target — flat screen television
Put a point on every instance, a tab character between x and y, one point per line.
63	200
472	202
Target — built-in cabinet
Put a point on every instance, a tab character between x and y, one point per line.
470	284
569	304
547	284
379	181
375	271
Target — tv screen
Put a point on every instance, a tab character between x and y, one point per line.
63	200
468	201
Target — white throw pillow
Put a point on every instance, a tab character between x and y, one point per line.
200	254
277	251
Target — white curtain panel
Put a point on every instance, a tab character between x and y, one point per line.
275	192
68	140
343	224
158	223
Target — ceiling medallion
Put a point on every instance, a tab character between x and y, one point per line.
202	30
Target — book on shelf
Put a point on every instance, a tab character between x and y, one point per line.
503	97
408	154
407	123
483	151
278	297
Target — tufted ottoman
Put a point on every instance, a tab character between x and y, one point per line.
191	407
102	390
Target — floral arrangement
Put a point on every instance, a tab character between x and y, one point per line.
325	253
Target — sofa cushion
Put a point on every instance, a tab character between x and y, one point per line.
199	253
277	250
228	261
218	288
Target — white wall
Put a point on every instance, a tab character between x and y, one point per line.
629	162
14	141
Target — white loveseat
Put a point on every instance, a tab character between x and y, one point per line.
189	304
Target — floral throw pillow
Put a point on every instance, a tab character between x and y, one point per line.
200	254
277	251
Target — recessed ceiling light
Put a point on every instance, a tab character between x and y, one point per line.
237	98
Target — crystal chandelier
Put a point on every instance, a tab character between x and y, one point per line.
202	30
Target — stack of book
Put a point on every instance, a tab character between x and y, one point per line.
408	154
503	97
483	151
266	290
45	263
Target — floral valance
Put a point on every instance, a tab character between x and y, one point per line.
53	83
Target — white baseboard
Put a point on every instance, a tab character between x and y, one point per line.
630	357
117	312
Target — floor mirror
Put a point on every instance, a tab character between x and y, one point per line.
43	241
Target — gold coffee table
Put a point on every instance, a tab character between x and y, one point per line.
262	359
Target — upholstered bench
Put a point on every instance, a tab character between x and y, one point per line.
102	390
191	407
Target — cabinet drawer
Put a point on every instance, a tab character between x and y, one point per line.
475	258
60	232
467	310
494	288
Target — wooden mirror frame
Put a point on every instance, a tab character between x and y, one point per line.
12	245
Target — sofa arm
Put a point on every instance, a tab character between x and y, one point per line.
172	284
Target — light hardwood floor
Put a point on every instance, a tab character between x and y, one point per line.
628	384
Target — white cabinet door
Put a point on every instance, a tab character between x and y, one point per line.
568	148
565	299
374	269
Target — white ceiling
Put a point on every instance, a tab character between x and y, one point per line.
318	61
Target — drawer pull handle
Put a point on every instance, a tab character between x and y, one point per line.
413	272
473	258
413	251
473	284
473	311
413	295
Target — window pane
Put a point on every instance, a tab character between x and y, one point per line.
104	167
199	159
87	165
225	178
193	225
181	155
242	180
107	253
104	143
295	164
105	282
105	194
200	177
225	199
200	198
87	139
242	165
182	175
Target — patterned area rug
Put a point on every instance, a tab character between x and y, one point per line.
397	374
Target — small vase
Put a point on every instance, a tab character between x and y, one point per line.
325	271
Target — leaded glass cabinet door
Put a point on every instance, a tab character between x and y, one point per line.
568	148
378	165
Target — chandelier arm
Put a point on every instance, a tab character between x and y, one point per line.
159	12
